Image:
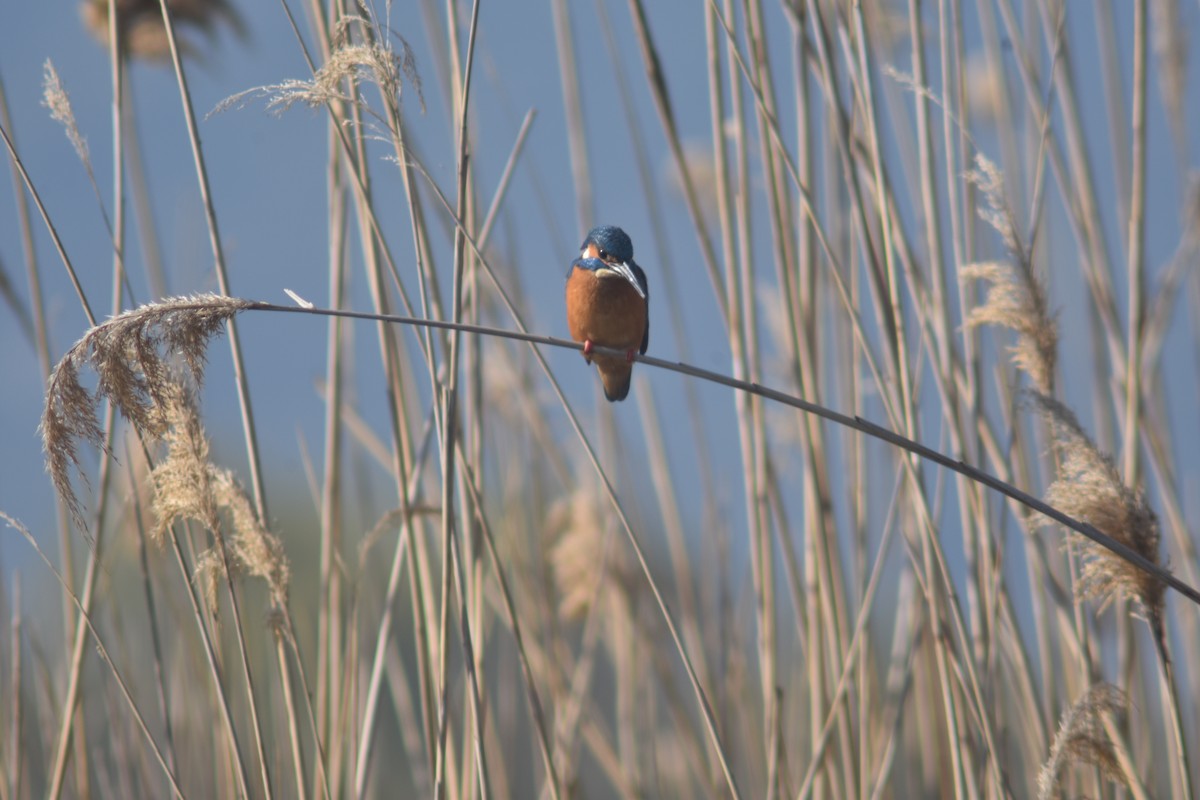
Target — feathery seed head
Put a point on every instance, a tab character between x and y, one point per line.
1090	489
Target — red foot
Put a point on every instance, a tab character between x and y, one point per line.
588	347
629	355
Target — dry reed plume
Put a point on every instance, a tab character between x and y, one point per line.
134	355
1090	488
1081	739
587	566
1016	297
350	63
140	28
55	98
187	486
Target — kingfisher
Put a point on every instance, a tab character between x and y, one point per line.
608	305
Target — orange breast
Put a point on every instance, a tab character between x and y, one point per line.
606	310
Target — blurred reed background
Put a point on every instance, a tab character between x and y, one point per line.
433	562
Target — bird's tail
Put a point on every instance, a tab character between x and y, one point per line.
616	374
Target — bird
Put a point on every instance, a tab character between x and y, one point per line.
608	305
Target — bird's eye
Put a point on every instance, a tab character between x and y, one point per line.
603	254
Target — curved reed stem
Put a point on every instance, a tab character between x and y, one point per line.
854	422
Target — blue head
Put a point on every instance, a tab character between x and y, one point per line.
608	249
612	242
